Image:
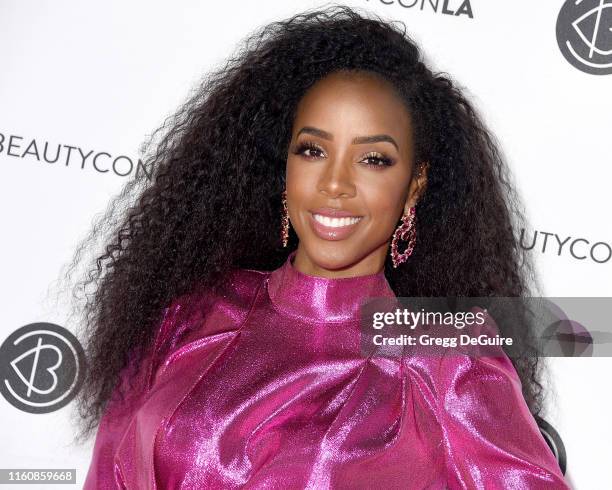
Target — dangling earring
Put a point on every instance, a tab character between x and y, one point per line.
407	232
285	221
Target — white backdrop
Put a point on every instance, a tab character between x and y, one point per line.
100	77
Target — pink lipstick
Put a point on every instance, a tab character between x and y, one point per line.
333	224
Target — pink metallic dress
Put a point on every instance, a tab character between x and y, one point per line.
263	386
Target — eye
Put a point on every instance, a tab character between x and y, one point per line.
375	159
309	150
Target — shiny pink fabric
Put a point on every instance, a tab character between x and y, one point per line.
263	386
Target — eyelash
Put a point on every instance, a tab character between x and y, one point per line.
309	145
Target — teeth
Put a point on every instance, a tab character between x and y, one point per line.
335	222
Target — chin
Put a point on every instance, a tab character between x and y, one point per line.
332	257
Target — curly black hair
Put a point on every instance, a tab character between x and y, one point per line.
212	201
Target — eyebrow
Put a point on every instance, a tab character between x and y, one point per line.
375	138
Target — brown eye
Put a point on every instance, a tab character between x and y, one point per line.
309	150
375	159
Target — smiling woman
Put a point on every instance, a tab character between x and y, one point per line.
350	173
234	360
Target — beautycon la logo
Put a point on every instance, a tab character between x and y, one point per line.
458	8
584	35
41	367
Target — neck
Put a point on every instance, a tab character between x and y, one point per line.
323	299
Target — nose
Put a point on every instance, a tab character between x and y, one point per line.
336	179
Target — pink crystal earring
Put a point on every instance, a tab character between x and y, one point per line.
407	232
285	221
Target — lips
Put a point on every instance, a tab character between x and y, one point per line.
333	212
333	224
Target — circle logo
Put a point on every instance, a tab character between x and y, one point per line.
584	35
41	367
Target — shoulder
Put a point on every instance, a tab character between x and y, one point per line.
198	313
207	310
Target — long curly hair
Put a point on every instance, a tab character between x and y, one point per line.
212	199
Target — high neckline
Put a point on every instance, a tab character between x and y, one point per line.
316	298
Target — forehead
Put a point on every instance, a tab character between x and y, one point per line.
353	102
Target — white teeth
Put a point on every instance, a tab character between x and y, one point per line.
335	222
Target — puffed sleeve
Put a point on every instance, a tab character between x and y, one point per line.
103	473
491	439
198	313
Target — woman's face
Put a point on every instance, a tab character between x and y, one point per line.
350	156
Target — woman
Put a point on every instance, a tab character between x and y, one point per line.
324	165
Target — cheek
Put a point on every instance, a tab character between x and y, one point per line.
293	172
301	180
300	185
384	203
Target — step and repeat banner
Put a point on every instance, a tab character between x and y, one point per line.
84	83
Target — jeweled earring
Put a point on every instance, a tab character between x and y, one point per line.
285	221
407	232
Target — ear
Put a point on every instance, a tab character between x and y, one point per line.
417	186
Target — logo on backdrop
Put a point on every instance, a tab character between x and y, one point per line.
57	154
41	367
458	8
584	35
576	247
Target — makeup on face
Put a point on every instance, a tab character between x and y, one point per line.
348	172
